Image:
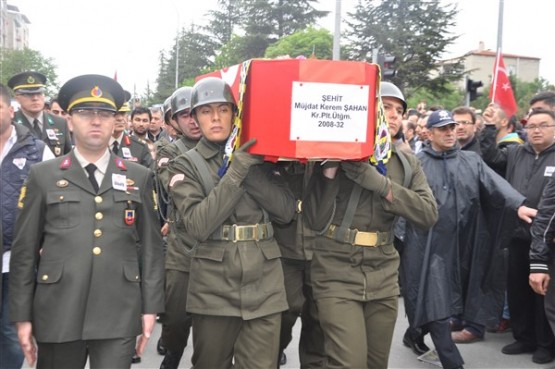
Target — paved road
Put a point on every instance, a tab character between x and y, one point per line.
485	354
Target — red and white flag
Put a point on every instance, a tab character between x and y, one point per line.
501	92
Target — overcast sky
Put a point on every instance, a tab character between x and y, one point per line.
105	36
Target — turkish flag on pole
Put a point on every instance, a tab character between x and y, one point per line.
501	92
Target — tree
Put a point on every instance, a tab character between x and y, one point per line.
223	23
239	49
17	61
196	53
415	32
304	43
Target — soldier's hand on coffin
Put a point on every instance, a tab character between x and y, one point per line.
241	161
329	168
367	176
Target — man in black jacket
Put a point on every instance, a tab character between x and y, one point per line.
541	253
529	167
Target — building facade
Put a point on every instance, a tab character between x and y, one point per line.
14	30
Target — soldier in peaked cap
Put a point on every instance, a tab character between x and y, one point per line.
28	88
91	217
127	146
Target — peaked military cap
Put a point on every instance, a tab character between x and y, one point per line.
91	91
125	107
27	83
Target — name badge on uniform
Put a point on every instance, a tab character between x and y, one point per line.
126	152
20	162
119	182
51	134
549	171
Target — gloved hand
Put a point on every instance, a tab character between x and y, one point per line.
329	168
366	176
241	161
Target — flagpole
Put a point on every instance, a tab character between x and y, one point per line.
495	74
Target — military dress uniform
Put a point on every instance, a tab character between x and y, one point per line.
99	253
176	322
86	258
236	279
134	149
55	132
354	269
296	240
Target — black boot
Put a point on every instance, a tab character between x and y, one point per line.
171	360
414	339
160	347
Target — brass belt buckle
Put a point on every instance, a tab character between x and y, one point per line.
366	238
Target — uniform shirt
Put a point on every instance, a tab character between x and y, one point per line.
46	155
101	164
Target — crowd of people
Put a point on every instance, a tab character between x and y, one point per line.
114	217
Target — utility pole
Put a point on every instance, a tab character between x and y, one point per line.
337	32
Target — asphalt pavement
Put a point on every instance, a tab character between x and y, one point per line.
483	354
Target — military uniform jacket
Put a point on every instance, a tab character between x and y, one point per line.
177	255
85	265
136	150
355	272
244	278
295	238
55	132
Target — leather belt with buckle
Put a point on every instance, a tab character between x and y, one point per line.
360	238
255	232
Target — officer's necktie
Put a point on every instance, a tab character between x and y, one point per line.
115	148
91	168
36	127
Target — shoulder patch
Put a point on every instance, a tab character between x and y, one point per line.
177	178
163	162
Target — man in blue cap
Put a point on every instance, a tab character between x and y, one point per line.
454	264
28	88
87	263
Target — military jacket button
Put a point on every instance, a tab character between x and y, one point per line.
97	250
99	216
45	277
97	233
98	199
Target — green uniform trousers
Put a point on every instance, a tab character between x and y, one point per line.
103	354
357	334
296	274
176	323
230	342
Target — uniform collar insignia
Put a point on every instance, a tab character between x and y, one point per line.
66	163
127	140
120	164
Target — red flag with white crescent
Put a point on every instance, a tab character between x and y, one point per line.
501	91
